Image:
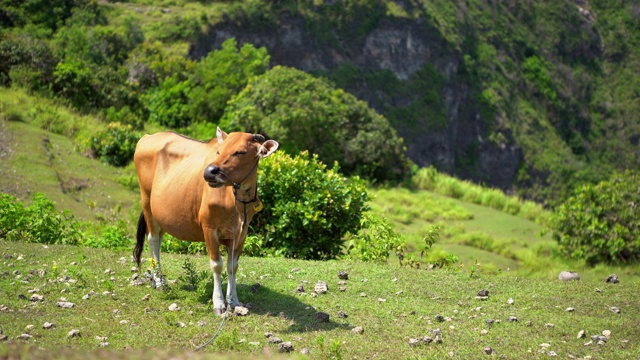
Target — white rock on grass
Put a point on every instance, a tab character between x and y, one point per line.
174	307
568	276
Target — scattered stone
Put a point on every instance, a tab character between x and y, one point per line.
240	311
342	315
342	275
300	289
36	297
581	334
65	304
529	323
427	340
569	309
101	338
25	336
489	322
549	325
86	297
484	332
510	301
488	350
483	293
304	351
74	333
588	343
363	294
342	282
439	318
201	323
104	344
606	333
274	340
285	347
414	342
568	276
268	335
146	297
614	309
552	353
48	325
381	300
358	330
545	345
321	317
174	307
598	290
613	278
438	339
512	319
321	287
124	322
255	287
342	288
181	324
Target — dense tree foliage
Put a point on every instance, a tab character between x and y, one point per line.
307	113
601	223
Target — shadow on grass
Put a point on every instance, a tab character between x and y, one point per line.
269	303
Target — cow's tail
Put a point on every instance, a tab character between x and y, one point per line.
142	232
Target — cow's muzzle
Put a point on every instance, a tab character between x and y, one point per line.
214	176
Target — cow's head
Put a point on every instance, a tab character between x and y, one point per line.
236	158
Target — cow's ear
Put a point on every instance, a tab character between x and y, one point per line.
221	135
268	148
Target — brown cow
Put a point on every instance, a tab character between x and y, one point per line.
200	191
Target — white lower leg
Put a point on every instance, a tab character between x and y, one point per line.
217	297
154	245
232	295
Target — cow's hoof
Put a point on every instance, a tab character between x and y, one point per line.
219	312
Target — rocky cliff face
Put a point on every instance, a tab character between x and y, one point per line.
459	147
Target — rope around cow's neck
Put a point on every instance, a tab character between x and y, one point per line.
236	186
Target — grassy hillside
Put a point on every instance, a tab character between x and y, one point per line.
392	305
484	239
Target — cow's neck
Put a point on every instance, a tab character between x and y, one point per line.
246	192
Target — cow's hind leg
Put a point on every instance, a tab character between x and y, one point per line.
155	240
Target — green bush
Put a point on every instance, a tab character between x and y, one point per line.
116	144
600	223
111	237
375	241
308	113
307	209
38	222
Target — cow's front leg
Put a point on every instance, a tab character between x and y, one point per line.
155	240
217	297
232	268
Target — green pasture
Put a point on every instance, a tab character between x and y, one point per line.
392	304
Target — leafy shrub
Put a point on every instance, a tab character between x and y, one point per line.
111	237
307	209
599	223
38	222
116	144
375	240
307	113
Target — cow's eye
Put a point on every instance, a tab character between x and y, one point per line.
239	153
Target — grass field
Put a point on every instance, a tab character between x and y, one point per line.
392	305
